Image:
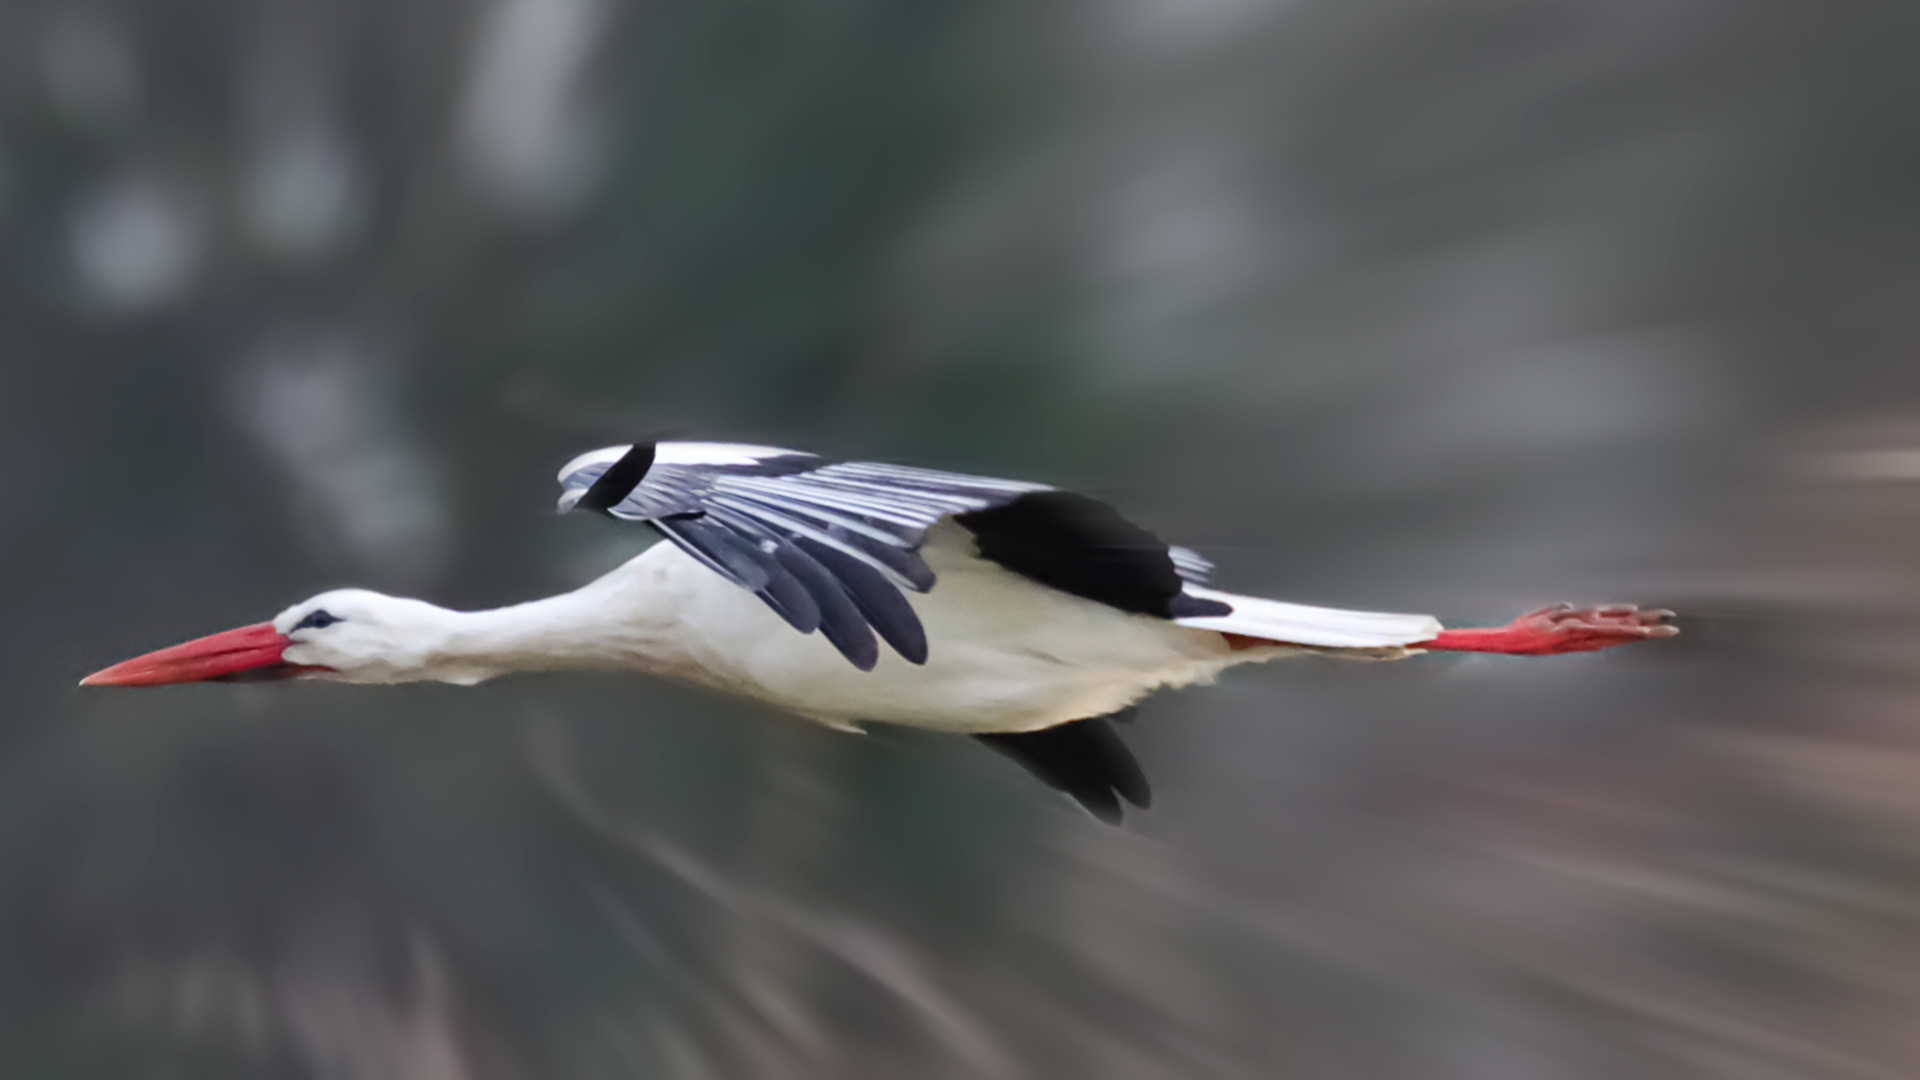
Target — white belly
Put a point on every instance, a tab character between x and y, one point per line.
1004	654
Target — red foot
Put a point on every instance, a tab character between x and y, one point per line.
1561	628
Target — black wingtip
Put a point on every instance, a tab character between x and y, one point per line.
619	480
1084	547
1084	758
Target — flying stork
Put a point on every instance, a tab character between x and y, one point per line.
1017	613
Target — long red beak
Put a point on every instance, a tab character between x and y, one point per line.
249	652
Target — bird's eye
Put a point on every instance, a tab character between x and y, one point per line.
317	620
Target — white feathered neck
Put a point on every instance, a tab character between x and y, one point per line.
614	623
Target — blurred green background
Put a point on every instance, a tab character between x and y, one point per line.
1458	306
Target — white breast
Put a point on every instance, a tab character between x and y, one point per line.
1004	653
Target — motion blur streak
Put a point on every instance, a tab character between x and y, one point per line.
1460	306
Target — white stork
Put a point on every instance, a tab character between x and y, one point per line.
1013	612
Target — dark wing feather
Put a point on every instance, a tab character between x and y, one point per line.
894	564
1084	758
737	558
882	605
841	621
1084	547
722	550
1079	546
616	481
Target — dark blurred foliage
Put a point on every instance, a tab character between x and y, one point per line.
1450	305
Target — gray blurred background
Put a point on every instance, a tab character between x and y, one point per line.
1458	306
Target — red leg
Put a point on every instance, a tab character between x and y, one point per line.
1561	628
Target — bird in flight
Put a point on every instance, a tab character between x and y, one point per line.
850	592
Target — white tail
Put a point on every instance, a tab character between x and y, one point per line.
1299	624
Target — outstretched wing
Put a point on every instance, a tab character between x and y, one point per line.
828	545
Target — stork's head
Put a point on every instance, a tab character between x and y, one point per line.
347	635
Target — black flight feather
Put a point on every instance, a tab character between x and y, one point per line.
1085	759
725	552
792	598
906	563
619	480
840	621
1084	547
882	604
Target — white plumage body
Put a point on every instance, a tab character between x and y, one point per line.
1005	653
1002	651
